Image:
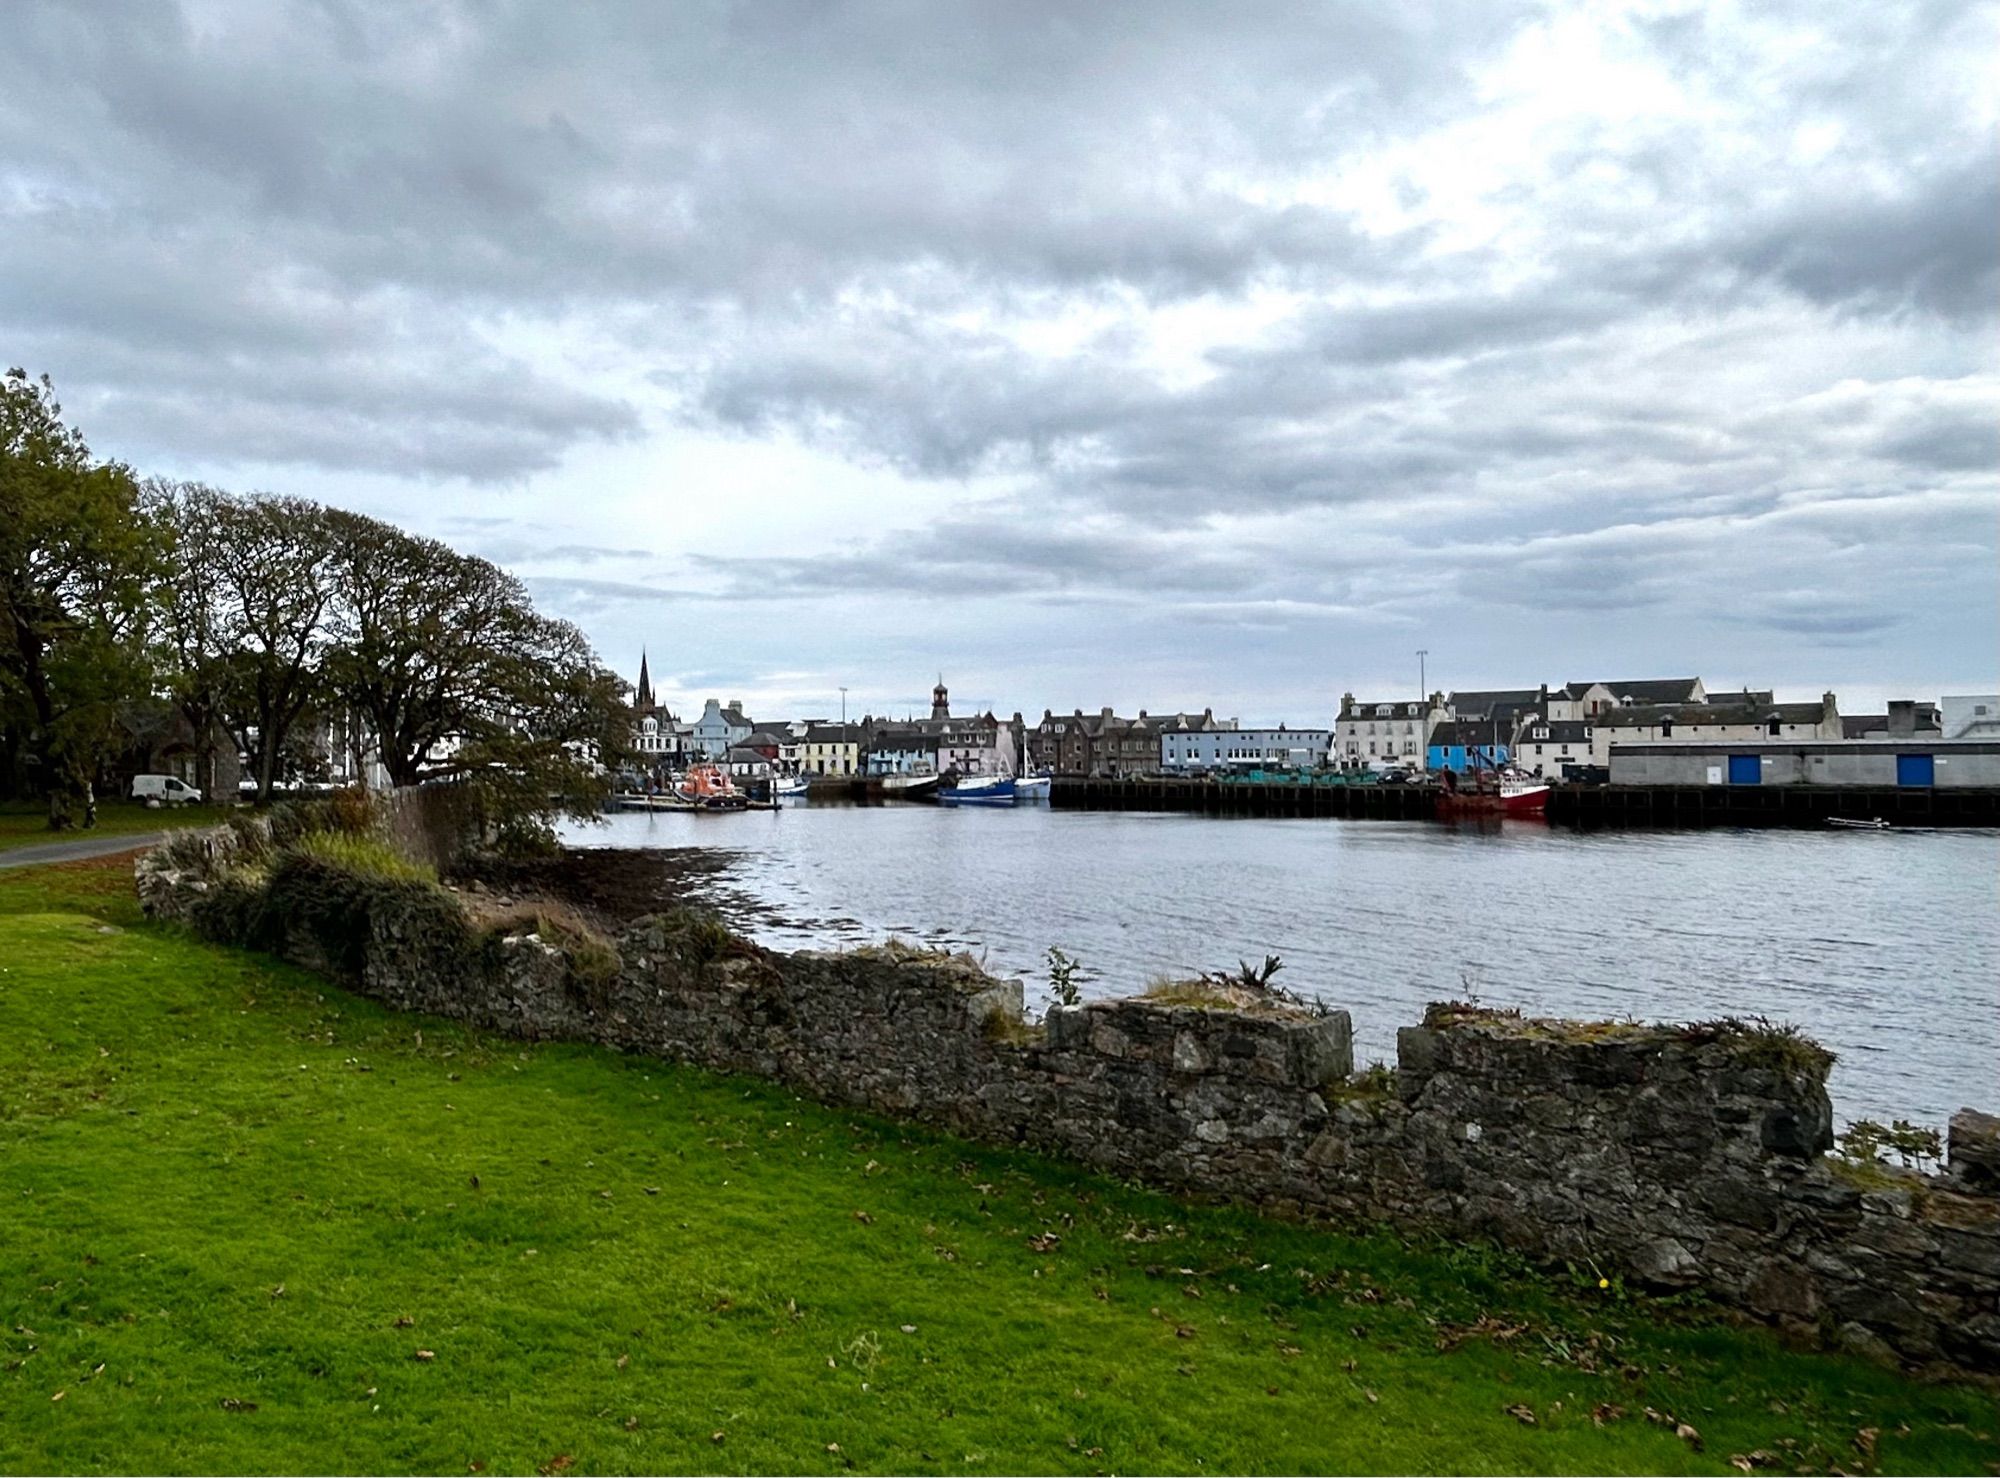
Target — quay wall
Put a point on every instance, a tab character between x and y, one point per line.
1583	806
1674	1157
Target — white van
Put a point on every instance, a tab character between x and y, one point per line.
163	790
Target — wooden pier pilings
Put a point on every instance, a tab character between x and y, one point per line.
1240	798
1586	807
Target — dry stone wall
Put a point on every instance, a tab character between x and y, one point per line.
1672	1157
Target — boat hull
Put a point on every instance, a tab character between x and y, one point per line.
987	793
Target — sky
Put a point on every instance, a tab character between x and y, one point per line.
1138	354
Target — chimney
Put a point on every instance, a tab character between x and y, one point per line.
1902	716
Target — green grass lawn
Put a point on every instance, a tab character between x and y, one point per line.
28	825
251	1222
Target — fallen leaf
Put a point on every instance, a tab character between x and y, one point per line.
909	1329
631	1424
1525	1415
716	1436
1606	1411
1372	1397
404	1321
426	1354
833	1447
1183	1331
279	1291
1688	1435
560	1463
863	1217
1864	1442
59	1395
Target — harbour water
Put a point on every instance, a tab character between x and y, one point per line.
1885	946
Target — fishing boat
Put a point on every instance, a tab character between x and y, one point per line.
911	785
979	790
1485	793
790	787
1033	787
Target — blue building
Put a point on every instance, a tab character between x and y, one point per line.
1468	744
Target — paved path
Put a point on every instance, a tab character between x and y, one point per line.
76	849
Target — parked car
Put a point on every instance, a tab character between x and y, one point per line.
164	790
1395	776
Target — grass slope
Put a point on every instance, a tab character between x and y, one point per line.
28	825
250	1222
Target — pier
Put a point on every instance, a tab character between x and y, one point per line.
1585	807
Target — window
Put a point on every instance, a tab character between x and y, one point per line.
1666	728
1774	726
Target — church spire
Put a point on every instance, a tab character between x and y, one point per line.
644	697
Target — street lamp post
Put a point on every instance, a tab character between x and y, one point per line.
1423	685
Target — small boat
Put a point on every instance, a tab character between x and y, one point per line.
987	790
1852	823
1033	787
910	785
709	788
790	787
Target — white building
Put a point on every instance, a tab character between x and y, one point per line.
1386	733
719	729
1228	746
1970	716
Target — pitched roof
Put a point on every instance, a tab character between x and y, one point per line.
1712	715
1650	689
1560	731
1480	704
834	734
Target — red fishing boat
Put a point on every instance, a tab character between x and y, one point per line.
1491	793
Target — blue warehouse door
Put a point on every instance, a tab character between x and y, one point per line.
1916	769
1745	769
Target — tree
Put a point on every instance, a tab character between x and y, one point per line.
76	554
456	676
274	581
195	629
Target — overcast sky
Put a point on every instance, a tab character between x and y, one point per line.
1153	355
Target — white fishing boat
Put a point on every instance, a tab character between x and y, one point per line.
1033	787
910	785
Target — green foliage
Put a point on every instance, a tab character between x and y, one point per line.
1915	1146
239	1201
1373	1084
1782	1047
363	855
1062	979
77	555
593	959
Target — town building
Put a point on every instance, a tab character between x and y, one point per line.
1915	762
964	744
1585	700
748	765
1108	746
1381	734
1721	720
1970	716
1553	747
1224	745
832	749
1462	744
719	728
659	740
1904	718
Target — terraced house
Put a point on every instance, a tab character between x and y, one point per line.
1383	733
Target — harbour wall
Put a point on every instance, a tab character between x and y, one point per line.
1671	1157
1583	806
